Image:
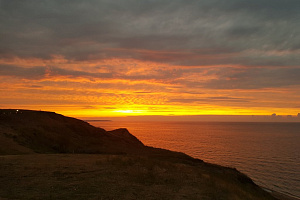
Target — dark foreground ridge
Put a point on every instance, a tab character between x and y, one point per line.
45	155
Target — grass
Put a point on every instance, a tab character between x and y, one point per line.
83	176
109	164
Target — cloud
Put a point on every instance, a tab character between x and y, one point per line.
172	31
210	99
254	78
149	79
35	73
141	92
203	53
29	73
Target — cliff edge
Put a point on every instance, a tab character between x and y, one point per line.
47	132
44	155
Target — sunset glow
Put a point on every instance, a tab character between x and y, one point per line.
170	59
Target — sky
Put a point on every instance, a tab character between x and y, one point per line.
103	58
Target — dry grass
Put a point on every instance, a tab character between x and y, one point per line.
82	176
121	167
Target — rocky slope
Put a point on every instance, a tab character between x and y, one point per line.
58	155
48	132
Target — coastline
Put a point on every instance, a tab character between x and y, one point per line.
40	133
264	166
280	195
62	167
107	176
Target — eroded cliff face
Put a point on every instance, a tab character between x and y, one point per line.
48	132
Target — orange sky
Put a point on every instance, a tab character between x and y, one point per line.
102	59
136	88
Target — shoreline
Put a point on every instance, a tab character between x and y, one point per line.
280	195
144	165
275	194
121	176
195	151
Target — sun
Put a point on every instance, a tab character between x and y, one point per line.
129	111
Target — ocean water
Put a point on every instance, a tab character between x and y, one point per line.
269	153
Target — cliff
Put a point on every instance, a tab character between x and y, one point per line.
48	156
48	132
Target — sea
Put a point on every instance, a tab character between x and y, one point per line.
269	153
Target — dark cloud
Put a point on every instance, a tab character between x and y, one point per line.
177	31
35	86
183	80
35	73
28	73
210	99
255	78
271	8
143	92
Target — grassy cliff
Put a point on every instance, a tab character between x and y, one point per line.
49	156
48	132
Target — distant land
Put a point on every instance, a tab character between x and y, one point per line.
97	120
44	155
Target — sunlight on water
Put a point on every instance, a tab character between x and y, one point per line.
267	152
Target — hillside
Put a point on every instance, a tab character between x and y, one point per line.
49	156
48	132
